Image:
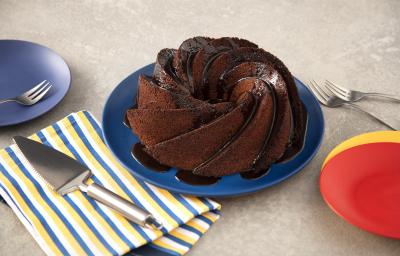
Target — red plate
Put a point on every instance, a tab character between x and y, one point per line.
362	185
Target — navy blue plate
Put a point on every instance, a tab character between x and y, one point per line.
120	140
22	66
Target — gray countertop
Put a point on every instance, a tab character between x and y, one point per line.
355	43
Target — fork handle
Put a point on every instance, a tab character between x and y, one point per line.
4	101
370	115
383	95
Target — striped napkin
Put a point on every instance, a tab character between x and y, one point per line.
76	224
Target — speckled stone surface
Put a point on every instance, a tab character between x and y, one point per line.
355	43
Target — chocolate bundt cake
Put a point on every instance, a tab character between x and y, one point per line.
217	107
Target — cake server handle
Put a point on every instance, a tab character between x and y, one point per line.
127	209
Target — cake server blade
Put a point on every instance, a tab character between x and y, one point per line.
64	174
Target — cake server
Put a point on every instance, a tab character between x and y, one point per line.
64	175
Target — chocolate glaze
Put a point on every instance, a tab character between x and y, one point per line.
169	68
146	160
245	124
267	138
193	179
205	86
295	146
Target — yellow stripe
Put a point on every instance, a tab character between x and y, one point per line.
30	215
175	202
163	244
196	226
200	206
125	173
210	216
187	239
100	170
32	190
89	208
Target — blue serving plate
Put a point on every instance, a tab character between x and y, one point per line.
22	66
120	140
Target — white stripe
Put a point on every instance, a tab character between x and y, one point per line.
129	185
31	229
174	244
188	233
40	209
171	205
201	223
86	211
214	204
66	213
88	163
196	206
216	216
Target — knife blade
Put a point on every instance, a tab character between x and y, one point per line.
64	175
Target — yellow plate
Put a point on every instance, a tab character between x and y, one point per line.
365	138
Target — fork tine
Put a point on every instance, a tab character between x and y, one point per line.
33	95
344	90
329	93
321	92
41	95
335	90
317	94
29	92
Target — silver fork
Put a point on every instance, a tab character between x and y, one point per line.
329	99
33	95
353	95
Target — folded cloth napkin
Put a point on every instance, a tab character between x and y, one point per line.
76	224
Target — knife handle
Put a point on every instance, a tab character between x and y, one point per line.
127	209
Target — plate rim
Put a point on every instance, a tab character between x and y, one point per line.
220	194
58	102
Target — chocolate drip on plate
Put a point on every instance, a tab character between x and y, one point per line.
193	179
146	160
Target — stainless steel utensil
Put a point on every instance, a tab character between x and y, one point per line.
64	175
31	96
353	96
329	99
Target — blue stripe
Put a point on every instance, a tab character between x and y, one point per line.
185	226
173	253
159	201
205	201
110	172
55	209
13	202
183	200
178	240
79	211
91	201
41	219
209	222
94	124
